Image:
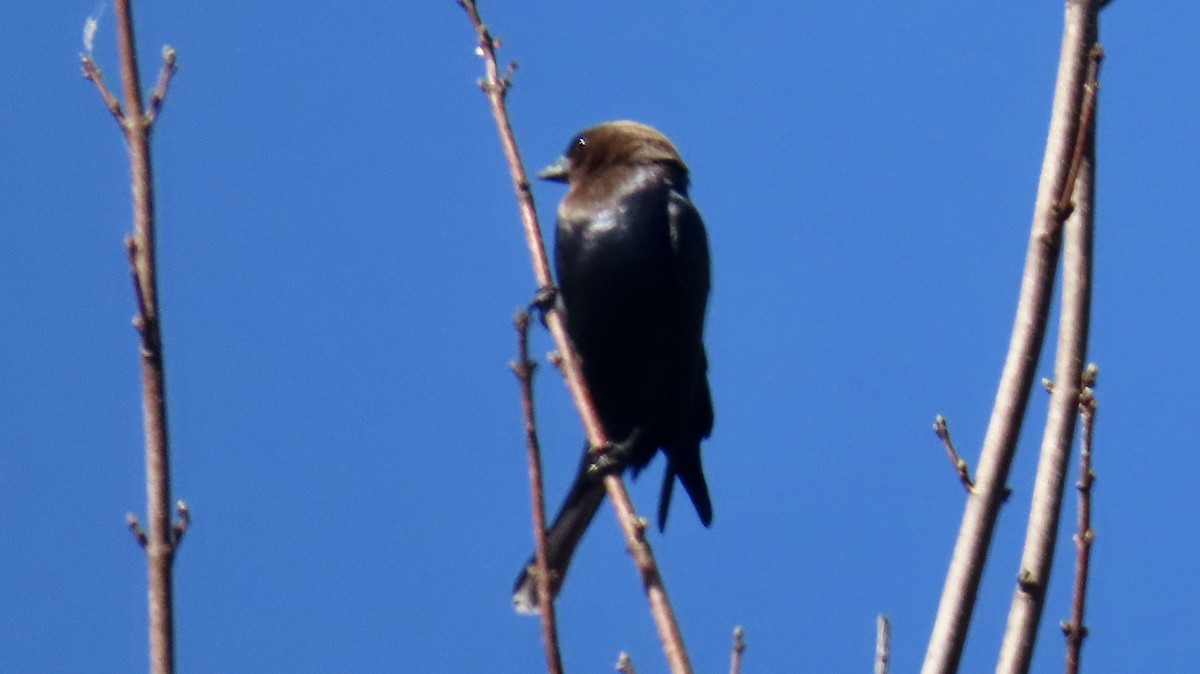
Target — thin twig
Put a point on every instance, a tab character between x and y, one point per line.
625	664
739	647
159	94
523	367
1028	603
1075	630
1086	128
979	518
163	537
135	528
960	466
92	72
495	86
182	522
883	644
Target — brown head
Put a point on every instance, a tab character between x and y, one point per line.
609	145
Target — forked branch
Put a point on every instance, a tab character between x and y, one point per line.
1075	629
495	85
523	367
975	533
739	647
1029	598
161	539
942	429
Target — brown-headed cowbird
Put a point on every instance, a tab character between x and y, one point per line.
632	260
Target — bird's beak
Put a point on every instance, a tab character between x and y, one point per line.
556	171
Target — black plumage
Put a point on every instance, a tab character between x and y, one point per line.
632	260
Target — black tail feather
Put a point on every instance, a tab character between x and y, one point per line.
686	466
576	513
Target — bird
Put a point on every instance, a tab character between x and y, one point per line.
632	260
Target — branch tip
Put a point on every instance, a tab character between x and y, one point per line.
159	94
181	525
942	429
739	647
521	320
1074	629
883	645
92	72
135	528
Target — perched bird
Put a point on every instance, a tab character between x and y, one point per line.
632	260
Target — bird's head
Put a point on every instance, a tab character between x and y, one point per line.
612	144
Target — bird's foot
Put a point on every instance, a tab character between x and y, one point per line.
543	301
612	457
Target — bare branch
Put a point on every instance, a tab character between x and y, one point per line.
1075	630
1087	125
883	644
523	367
159	94
92	72
162	537
1016	651
975	534
960	466
625	664
739	647
180	527
135	528
496	86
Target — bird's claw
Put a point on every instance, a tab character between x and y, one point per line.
612	457
605	460
543	301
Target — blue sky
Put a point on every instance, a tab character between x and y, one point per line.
341	256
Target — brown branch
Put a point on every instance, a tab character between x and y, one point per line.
960	466
625	664
739	647
181	525
1076	630
1016	651
163	537
979	518
139	319
883	644
135	528
523	367
159	93
92	72
1087	126
495	86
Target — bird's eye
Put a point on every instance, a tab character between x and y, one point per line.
576	146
